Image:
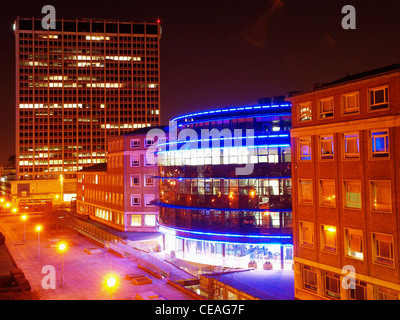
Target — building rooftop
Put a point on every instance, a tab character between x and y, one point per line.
95	167
354	77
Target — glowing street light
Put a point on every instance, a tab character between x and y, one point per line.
61	248
38	229
111	283
23	218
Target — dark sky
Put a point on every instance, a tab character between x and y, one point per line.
218	53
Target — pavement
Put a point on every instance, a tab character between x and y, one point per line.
84	274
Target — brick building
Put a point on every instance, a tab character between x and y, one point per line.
345	173
120	193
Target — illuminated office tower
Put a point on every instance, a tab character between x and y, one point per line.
77	85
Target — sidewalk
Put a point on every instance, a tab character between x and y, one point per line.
84	273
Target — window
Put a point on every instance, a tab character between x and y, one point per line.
352	194
379	144
136	220
353	243
378	98
148	181
304	110
332	284
383	293
148	198
359	292
350	103
307	234
325	108
150	220
351	146
382	246
328	238
149	141
326	147
381	196
135	200
149	160
135	180
135	143
305	191
309	278
305	148
135	161
327	193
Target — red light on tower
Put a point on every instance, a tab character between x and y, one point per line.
158	20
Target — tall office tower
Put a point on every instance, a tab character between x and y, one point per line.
77	85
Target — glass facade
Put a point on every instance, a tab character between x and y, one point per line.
207	208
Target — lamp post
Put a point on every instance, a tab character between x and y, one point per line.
62	247
23	218
62	186
38	229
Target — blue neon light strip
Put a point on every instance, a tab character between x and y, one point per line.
253	146
226	138
172	231
283	106
224	178
165	205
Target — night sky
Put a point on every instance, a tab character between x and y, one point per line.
227	53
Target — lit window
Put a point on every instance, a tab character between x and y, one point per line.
327	193
305	148
350	103
136	220
352	194
304	110
325	108
305	191
326	147
382	246
378	98
381	196
351	146
328	238
306	234
150	220
379	144
353	243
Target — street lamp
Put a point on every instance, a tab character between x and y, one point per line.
61	248
38	229
111	282
23	218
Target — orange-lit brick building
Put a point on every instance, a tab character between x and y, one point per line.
120	193
345	173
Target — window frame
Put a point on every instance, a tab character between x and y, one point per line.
300	198
347	243
379	155
344	102
375	248
371	188
350	156
345	193
133	196
386	96
306	141
320	193
324	247
320	112
303	243
300	106
326	157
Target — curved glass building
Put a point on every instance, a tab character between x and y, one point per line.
225	186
